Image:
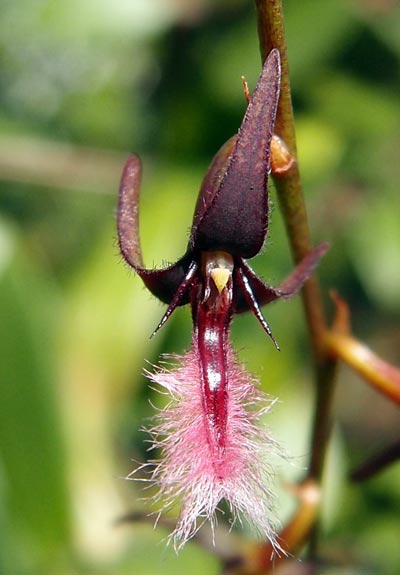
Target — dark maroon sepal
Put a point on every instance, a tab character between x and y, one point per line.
232	210
264	293
164	282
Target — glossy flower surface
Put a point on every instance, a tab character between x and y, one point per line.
211	446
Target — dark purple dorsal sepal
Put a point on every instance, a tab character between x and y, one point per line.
233	217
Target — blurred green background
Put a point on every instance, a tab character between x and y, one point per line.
84	83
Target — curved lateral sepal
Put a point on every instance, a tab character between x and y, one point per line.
265	293
163	282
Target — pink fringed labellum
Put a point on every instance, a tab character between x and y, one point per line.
204	461
212	447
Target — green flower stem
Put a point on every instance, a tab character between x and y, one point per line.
272	35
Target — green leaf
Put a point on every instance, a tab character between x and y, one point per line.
31	447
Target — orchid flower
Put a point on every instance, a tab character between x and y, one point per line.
211	445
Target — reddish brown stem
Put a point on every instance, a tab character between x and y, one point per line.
259	558
340	343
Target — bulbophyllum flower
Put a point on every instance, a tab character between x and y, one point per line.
212	447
